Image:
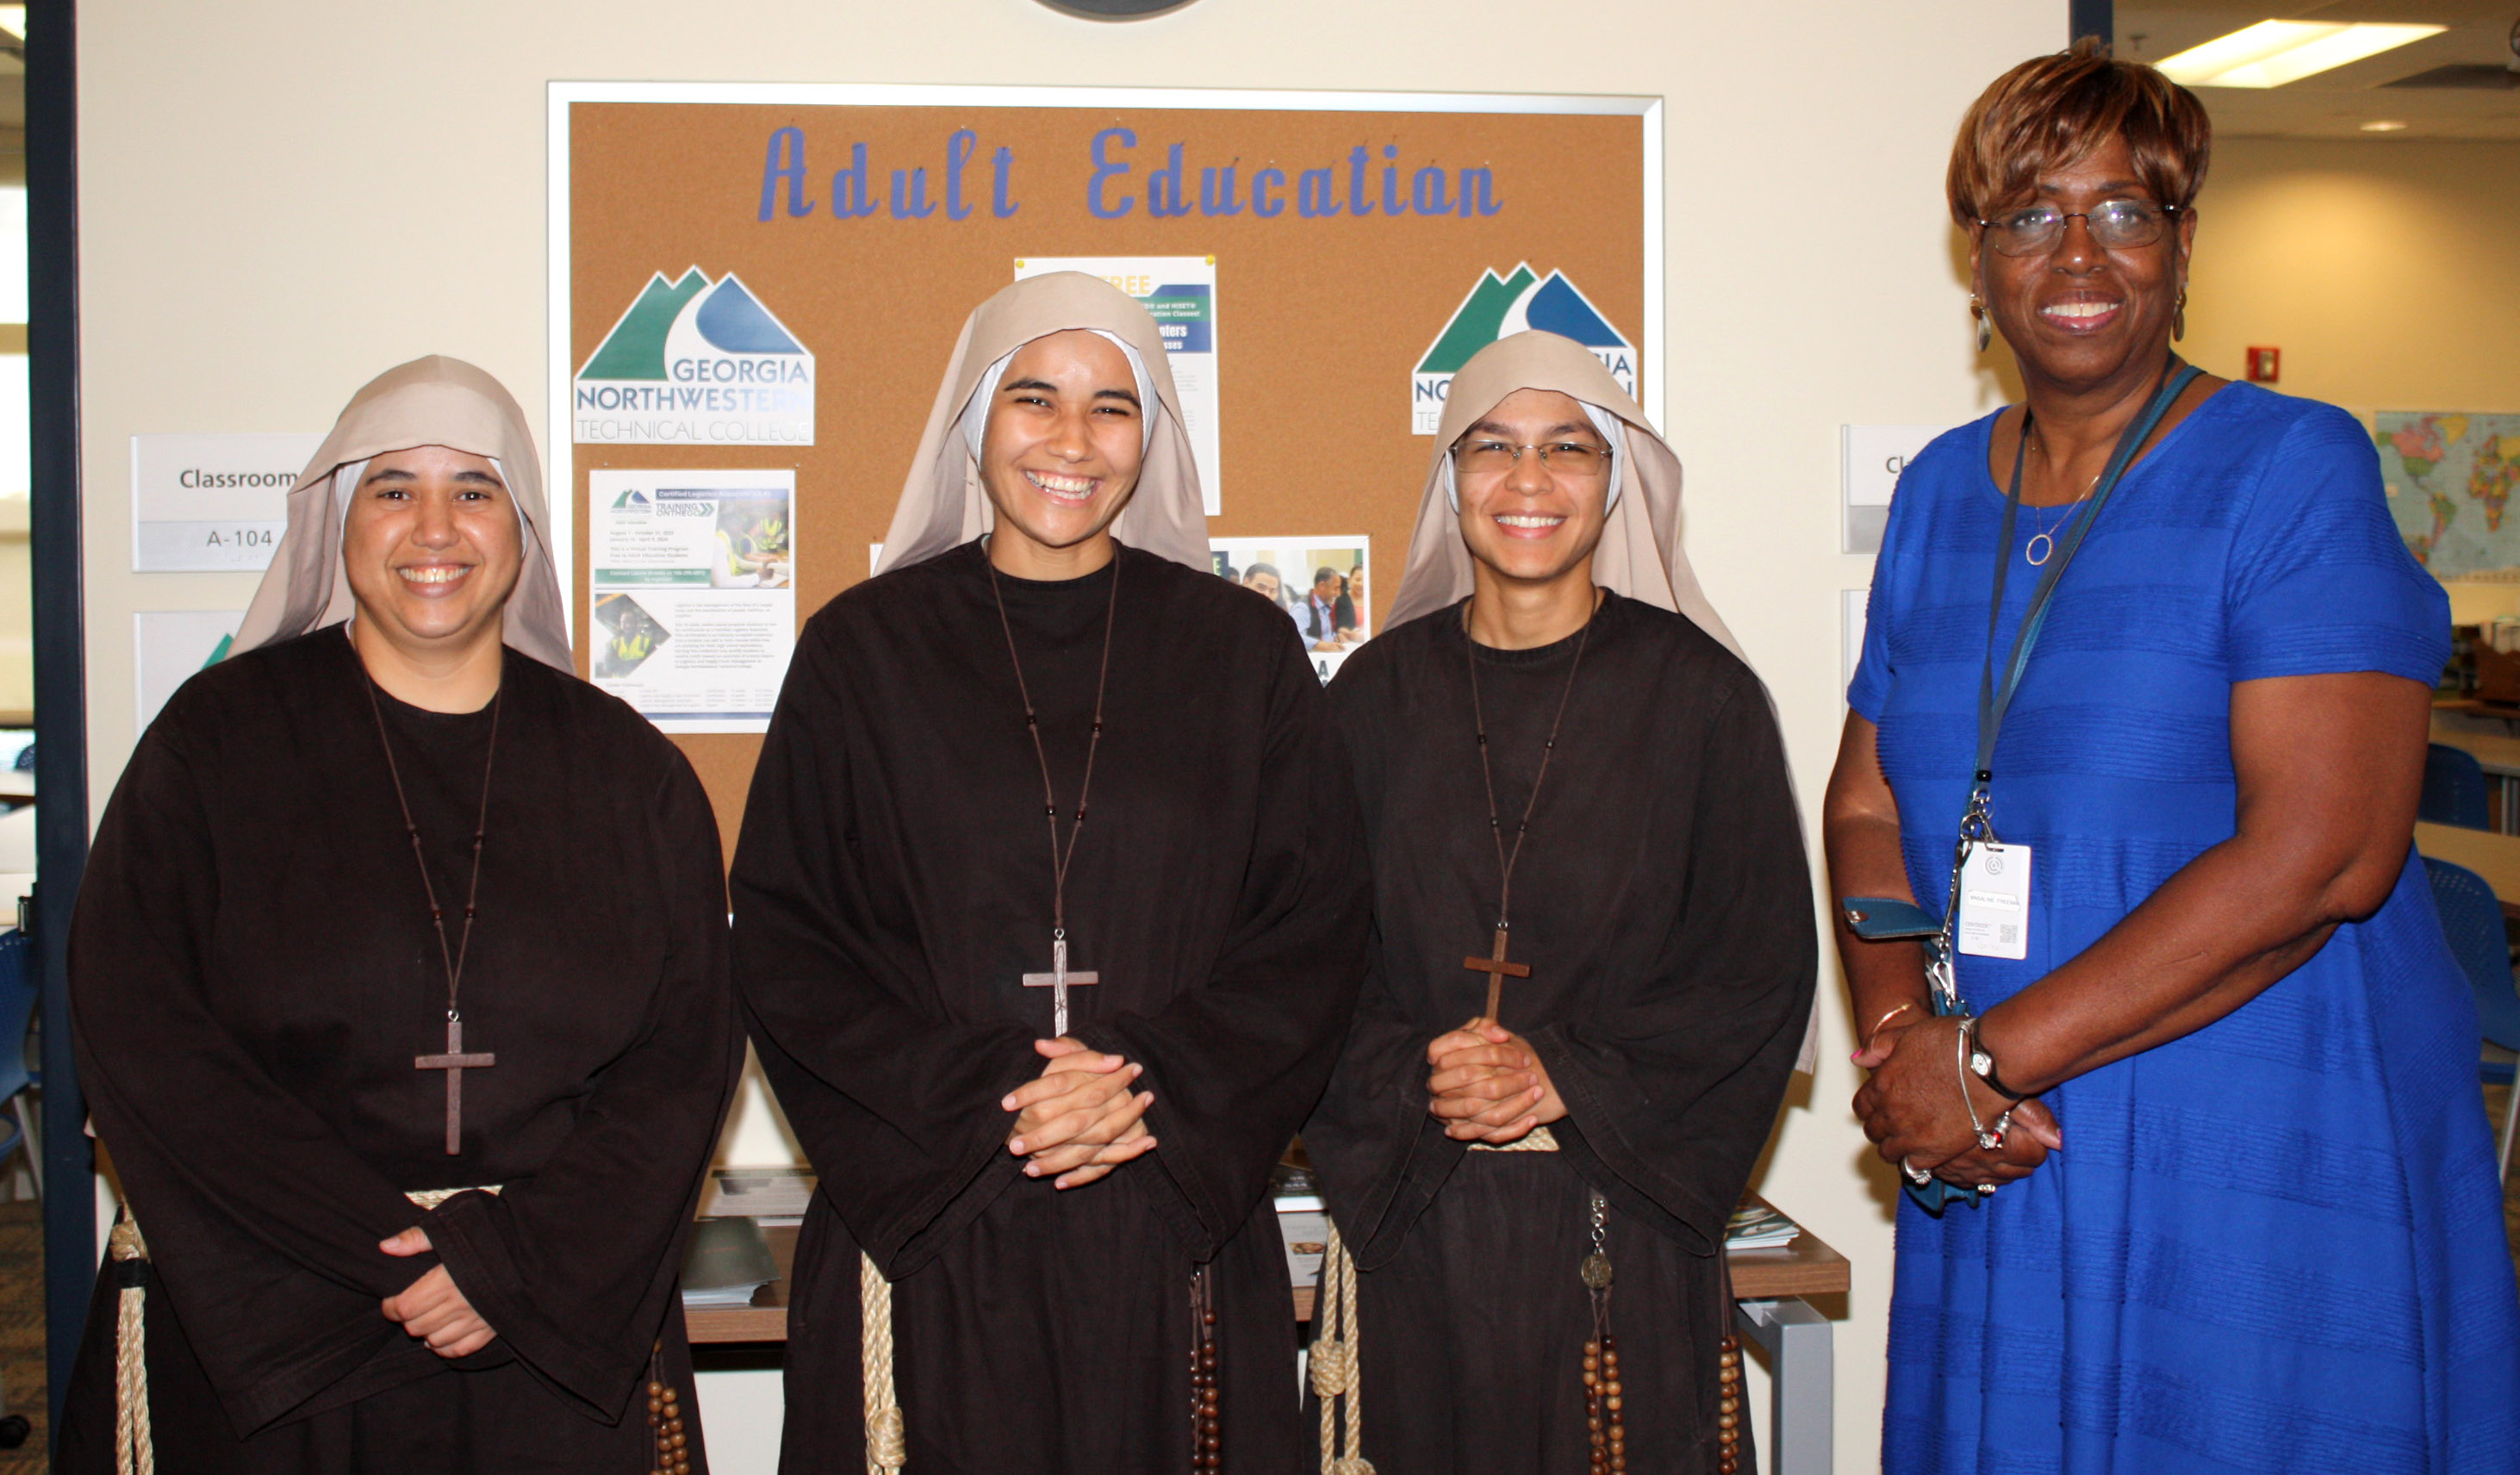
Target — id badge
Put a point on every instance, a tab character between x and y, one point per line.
1995	902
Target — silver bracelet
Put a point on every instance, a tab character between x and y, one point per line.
1987	1138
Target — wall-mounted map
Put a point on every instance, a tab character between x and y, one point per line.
2451	479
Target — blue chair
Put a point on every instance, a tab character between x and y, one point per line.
2472	920
2453	788
17	996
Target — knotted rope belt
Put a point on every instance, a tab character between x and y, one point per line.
887	1443
134	1452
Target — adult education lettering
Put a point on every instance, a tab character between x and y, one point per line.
1117	178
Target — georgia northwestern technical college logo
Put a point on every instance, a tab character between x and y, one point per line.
696	362
1500	306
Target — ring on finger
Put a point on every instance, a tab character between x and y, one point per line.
1916	1175
1986	1190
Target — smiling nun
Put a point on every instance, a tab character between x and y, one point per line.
1050	908
1594	959
400	982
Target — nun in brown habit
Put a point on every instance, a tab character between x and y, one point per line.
1593	962
400	982
1044	1062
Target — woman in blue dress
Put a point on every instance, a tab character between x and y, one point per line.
2224	1195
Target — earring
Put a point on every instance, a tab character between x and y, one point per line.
1985	325
2178	317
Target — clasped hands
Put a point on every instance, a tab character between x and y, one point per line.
1486	1085
1079	1118
433	1308
1913	1111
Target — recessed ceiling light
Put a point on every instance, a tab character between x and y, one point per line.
2385	126
2272	53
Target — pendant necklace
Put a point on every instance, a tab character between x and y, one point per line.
2042	544
1495	965
454	1062
1059	979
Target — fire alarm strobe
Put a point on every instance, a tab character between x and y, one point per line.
2266	365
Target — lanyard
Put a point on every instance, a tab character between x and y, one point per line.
1994	697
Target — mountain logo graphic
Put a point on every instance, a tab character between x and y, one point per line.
1500	306
632	498
696	361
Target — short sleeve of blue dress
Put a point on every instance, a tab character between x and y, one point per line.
2276	1244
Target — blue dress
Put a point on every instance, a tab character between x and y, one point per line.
2276	1244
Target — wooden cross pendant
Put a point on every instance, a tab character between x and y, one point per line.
454	1062
1496	968
1056	981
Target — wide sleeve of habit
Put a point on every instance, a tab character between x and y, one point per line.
1238	1061
573	1269
1672	1082
1670	1093
246	1188
265	1223
896	1108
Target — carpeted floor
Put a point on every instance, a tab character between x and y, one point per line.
22	1329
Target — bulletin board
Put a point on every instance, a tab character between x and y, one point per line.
1357	239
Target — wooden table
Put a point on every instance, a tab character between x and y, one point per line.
2494	856
1807	1267
1768	1309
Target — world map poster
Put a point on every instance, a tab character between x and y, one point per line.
2451	479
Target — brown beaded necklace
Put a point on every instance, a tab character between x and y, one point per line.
1206	1443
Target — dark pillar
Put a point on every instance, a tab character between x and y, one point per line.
2091	18
61	661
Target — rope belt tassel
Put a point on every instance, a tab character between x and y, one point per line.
134	1453
1336	1366
887	1442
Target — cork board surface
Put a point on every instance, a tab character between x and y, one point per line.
1321	314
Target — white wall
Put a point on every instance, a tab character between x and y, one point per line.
282	196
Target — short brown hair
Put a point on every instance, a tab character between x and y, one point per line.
2052	111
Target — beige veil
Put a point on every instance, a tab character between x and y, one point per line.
1640	554
944	505
434	401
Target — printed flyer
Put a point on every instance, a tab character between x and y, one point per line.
694	592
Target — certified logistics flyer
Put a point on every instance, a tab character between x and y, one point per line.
694	593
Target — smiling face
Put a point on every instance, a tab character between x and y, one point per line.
1532	523
1264	582
2078	315
1064	447
432	548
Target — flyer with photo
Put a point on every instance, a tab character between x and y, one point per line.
1319	583
694	589
1181	292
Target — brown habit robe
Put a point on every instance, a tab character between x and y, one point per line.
1663	905
252	973
893	883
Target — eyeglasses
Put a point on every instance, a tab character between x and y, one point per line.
1572	459
2115	225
